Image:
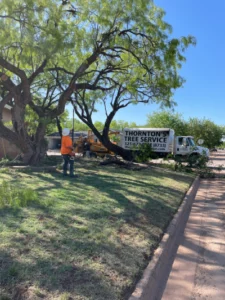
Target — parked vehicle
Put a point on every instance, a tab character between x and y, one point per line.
163	141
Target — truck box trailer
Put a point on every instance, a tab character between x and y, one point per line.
162	140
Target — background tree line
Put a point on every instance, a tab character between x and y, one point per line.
204	128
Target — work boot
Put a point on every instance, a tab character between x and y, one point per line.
73	176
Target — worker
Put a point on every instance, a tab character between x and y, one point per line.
67	152
86	148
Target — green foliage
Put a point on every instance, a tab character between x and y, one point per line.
65	296
99	125
167	119
48	30
3	170
80	126
13	271
178	166
86	52
205	129
120	124
11	196
32	121
199	163
221	146
115	138
4	161
5	297
143	152
202	168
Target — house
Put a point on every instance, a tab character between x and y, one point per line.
54	139
7	149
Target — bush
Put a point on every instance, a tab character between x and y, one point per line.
143	153
11	196
4	161
221	146
198	162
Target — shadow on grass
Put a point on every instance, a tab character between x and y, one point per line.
50	275
91	245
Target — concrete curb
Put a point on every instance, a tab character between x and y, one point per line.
153	281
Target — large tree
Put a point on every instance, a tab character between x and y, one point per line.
206	130
168	119
51	52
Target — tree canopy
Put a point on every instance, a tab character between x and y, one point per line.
205	129
168	119
52	52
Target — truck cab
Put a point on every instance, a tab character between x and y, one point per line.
185	145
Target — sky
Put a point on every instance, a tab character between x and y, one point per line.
203	93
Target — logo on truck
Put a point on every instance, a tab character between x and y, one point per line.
157	139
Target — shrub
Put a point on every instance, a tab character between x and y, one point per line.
198	162
4	161
221	146
11	196
143	152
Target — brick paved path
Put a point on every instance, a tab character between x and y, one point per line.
198	271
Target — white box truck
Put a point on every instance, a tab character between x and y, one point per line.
162	140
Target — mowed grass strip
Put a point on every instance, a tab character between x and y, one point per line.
86	238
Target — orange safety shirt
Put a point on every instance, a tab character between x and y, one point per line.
66	142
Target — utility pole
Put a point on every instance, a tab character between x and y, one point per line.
73	125
73	114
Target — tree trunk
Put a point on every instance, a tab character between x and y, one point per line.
36	154
36	149
104	137
33	148
124	153
58	123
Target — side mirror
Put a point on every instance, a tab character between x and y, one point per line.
200	141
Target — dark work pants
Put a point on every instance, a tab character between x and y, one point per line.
67	161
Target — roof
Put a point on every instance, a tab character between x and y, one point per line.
7	106
149	129
77	134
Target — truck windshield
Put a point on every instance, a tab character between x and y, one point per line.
191	142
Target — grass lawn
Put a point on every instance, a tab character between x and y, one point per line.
86	238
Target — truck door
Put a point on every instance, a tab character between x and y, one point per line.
182	146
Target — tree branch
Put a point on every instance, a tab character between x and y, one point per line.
39	70
3	102
61	69
7	82
7	65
